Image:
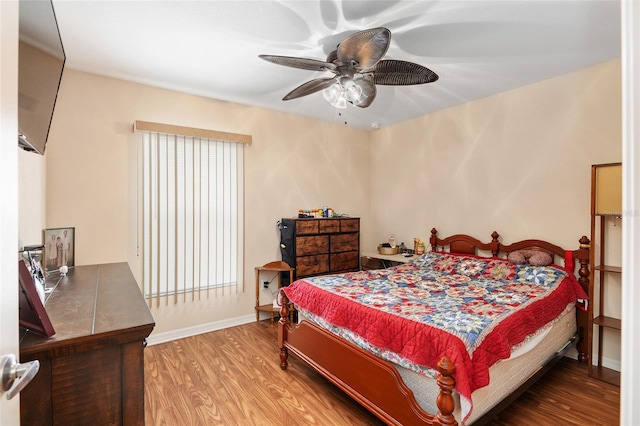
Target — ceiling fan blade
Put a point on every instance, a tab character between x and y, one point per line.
365	48
301	63
310	87
368	90
391	72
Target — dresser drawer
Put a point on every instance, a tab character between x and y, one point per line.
344	242
329	226
306	227
317	244
347	261
312	265
349	225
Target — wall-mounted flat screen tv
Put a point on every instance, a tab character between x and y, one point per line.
41	63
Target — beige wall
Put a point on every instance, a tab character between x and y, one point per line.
518	162
293	163
31	198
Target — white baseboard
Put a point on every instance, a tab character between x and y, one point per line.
156	338
609	363
606	362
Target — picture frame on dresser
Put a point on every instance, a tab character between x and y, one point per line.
59	248
32	313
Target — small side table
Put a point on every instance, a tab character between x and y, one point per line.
278	267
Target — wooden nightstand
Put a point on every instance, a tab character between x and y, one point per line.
278	267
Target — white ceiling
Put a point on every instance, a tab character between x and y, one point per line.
211	48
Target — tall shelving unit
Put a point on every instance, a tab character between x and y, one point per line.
606	214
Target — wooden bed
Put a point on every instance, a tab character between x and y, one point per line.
377	385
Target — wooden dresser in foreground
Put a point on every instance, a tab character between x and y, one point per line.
92	369
320	246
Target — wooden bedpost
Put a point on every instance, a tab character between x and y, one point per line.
283	326
495	244
433	240
584	277
445	401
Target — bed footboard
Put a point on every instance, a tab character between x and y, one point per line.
371	381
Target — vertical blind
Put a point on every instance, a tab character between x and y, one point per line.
191	212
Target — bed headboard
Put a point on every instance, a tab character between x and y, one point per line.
465	244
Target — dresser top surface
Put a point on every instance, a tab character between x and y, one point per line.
89	302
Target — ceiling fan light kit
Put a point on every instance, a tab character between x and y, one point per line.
342	91
358	66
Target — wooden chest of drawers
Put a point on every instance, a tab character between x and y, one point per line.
92	369
320	246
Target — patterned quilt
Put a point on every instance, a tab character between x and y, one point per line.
469	308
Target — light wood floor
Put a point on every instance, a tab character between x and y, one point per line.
232	377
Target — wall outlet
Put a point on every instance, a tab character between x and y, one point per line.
265	284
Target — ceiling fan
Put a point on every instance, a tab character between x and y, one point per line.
358	66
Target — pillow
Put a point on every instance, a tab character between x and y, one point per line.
531	257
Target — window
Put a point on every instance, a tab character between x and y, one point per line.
191	213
